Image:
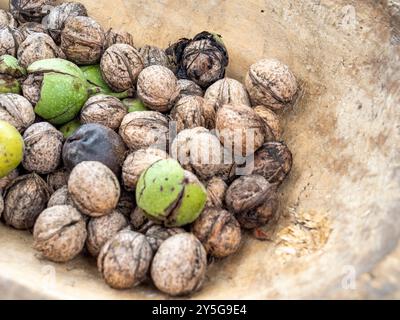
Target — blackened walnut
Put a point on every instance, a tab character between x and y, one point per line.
10	39
154	56
273	161
102	229
5	181
125	259
137	162
31	10
6	19
179	266
227	91
143	129
60	197
25	198
29	28
94	142
216	189
189	88
58	15
270	83
114	37
82	40
94	188
59	233
271	121
157	88
16	110
240	129
43	145
57	179
157	234
120	66
218	231
102	109
253	200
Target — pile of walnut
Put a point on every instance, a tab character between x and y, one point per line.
77	194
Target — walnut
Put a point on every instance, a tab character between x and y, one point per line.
7	20
10	39
60	197
30	28
157	234
271	121
189	88
16	110
5	181
154	56
114	37
57	179
32	10
216	189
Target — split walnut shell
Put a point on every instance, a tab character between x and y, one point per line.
270	83
43	145
157	88
154	56
102	109
191	112
227	91
240	129
16	110
125	260
30	28
114	37
189	88
94	188
157	234
179	266
25	198
102	229
143	129
216	189
10	39
137	162
271	121
32	10
253	200
57	179
6	19
120	66
59	233
218	231
82	40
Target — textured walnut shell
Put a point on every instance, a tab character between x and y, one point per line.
189	88
143	129
31	87
10	39
102	229
7	20
216	189
157	234
120	66
114	37
102	109
270	83
94	188
126	203
1	204
57	179
25	198
179	266
138	219
60	197
218	231
82	40
271	121
55	20
227	91
59	233
125	259
157	88
43	145
32	10
154	56
137	162
29	28
16	110
5	181
253	200
240	129
273	161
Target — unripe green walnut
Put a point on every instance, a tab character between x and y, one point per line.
11	148
167	193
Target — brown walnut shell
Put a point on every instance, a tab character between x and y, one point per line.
30	28
10	39
157	234
271	121
154	56
16	110
7	20
189	88
114	37
5	181
57	179
60	197
30	11
31	87
139	220
216	189
126	203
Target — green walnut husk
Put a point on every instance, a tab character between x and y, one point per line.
69	128
62	91
169	194
134	105
93	76
10	71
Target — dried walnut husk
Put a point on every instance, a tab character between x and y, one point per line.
94	188
102	229
57	179
189	88
270	83
30	28
55	20
114	37
10	39
271	121
120	66
157	234
157	88
191	112
137	162
253	200
154	56
143	129
32	10
125	259
59	233
82	40
218	231
25	198
240	129
6	19
216	189
179	266
16	110
102	109
227	91
5	181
